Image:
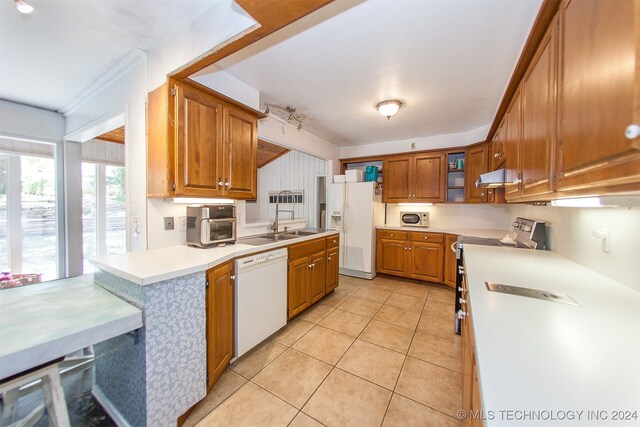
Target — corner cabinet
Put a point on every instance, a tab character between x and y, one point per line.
415	255
599	97
312	273
419	178
219	328
200	144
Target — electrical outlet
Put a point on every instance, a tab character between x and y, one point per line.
168	223
182	223
603	234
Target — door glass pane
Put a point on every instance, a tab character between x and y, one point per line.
116	210
88	215
38	217
4	249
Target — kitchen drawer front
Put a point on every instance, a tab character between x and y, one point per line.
307	248
333	241
415	236
392	235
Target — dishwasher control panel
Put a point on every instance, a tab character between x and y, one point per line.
263	257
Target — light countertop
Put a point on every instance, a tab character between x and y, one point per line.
490	233
539	355
156	265
45	321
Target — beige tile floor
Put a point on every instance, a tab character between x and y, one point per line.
374	352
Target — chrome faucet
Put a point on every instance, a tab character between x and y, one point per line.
274	227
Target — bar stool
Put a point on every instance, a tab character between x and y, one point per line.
52	389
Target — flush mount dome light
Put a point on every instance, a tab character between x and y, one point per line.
389	108
23	7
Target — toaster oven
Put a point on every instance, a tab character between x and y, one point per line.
210	225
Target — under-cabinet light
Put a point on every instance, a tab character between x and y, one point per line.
415	204
197	200
584	202
23	7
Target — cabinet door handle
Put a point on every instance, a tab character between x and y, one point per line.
410	248
227	184
632	131
496	155
328	258
220	182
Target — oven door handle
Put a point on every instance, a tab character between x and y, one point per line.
454	247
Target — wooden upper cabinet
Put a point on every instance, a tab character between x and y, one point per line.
200	144
477	163
396	173
498	149
219	328
239	154
198	138
417	178
599	97
513	136
429	177
537	145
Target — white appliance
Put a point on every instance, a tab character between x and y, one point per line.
261	298
355	209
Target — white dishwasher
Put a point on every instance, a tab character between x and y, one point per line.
261	298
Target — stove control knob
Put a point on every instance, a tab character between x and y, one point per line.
526	228
463	301
516	224
462	314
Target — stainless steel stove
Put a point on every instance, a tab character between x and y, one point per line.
530	234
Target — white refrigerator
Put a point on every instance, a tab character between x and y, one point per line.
355	210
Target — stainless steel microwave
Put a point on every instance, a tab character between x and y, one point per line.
414	219
210	225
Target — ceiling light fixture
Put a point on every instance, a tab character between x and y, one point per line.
23	7
389	108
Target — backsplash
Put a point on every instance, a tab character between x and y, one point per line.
570	234
450	215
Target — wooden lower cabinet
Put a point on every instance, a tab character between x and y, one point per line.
312	273
415	255
219	327
426	261
332	269
471	398
450	260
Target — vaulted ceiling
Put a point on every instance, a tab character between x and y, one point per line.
448	61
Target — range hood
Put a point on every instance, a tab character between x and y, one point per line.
493	179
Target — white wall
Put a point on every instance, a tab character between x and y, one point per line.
228	85
293	171
126	94
455	216
273	129
417	144
570	235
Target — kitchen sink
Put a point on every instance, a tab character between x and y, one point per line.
265	239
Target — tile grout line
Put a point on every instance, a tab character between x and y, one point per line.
405	360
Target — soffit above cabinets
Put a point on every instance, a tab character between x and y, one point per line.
447	61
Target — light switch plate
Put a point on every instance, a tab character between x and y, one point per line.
168	223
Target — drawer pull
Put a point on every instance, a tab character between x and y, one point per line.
426	237
392	234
